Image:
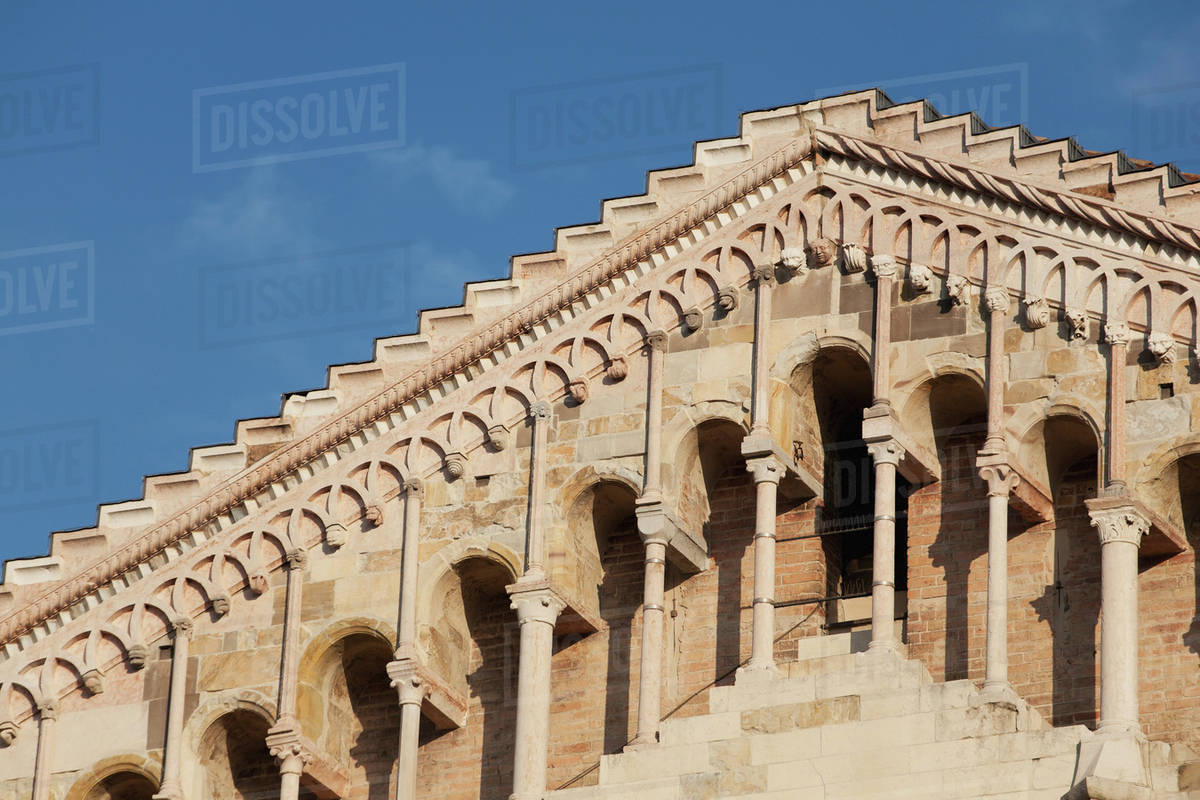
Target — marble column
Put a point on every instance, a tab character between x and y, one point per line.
655	567
886	455
537	610
535	537
170	788
764	279
1121	529
403	671
997	301
884	267
1116	336
43	762
1001	480
767	472
283	739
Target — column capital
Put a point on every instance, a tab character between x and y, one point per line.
886	451
763	274
656	341
416	487
652	521
539	411
47	708
296	558
1116	333
996	299
181	626
1119	524
765	469
884	266
535	602
407	680
998	474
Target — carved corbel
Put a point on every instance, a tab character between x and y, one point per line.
694	318
920	278
258	583
854	258
220	604
296	558
499	437
996	299
794	260
336	535
1037	312
958	290
137	655
579	391
618	368
1162	346
456	465
8	732
727	299
763	274
93	681
1077	319
821	252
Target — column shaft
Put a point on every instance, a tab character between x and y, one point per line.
886	455
764	277
406	768
884	267
656	344
43	761
170	788
767	471
1118	637
650	679
1117	336
537	609
535	543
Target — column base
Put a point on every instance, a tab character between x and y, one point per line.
999	692
1111	767
169	793
883	647
641	744
756	673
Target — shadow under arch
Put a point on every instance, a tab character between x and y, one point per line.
131	777
947	520
1062	451
234	758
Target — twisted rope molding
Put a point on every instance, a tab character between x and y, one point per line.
467	352
1082	207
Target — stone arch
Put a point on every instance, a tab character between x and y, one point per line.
124	777
231	757
679	431
1068	425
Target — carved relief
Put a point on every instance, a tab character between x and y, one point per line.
617	369
794	260
1037	312
854	258
920	278
1162	346
958	290
1077	319
821	252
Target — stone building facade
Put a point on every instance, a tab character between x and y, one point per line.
860	458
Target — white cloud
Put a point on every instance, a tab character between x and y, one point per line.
468	183
255	217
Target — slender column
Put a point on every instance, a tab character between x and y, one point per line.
537	610
886	455
535	542
655	540
764	279
170	788
1116	336
656	347
1001	480
884	267
766	471
1121	530
47	718
997	301
406	678
412	688
283	739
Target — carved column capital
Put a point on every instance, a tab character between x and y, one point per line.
763	274
182	627
884	266
296	558
536	604
996	299
1121	524
291	756
407	680
765	469
1000	478
656	341
47	708
885	451
540	411
415	487
1116	333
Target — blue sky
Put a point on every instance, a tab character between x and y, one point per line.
130	233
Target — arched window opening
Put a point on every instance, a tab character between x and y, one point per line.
123	786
